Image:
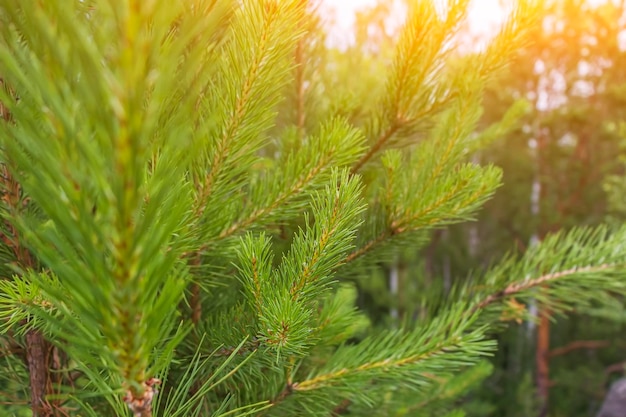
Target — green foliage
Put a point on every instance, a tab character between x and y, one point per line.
169	228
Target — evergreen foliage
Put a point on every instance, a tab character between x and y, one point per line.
171	246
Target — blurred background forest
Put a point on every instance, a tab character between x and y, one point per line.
561	146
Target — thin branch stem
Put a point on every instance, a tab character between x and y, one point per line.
322	243
517	287
382	140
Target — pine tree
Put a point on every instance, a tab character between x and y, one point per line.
172	247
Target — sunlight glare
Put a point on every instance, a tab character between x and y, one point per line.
484	16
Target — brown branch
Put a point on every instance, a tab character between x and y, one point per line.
287	391
367	247
377	146
616	367
579	344
39	373
341	408
11	348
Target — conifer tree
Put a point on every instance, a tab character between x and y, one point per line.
173	247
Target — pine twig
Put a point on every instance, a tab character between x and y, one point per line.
519	287
306	275
234	123
257	214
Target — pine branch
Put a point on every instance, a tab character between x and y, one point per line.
307	275
232	125
89	126
369	246
301	184
414	357
329	379
283	192
282	297
254	66
525	285
429	216
419	55
447	333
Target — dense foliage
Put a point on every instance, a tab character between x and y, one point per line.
193	192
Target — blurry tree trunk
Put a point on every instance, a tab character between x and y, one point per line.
542	351
447	274
473	240
394	284
446	267
36	353
543	361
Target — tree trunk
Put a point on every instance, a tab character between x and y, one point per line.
36	355
542	359
542	348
